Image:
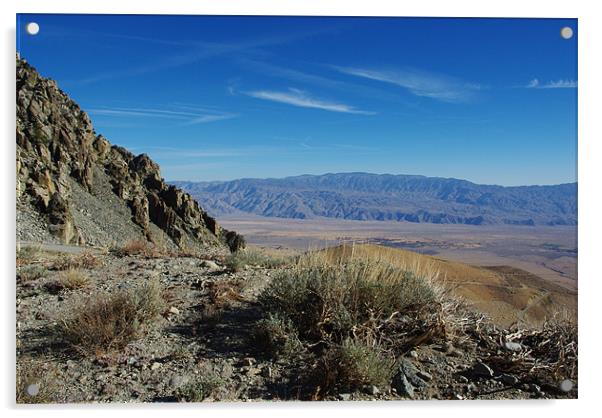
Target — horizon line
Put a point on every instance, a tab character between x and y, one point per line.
172	181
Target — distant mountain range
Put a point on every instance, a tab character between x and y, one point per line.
386	197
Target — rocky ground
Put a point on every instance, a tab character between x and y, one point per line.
201	346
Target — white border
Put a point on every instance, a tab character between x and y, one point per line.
590	137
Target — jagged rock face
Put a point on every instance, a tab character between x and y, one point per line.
57	146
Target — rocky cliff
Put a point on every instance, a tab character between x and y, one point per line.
74	187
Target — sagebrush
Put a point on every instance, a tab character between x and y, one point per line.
326	299
354	316
241	259
28	273
111	321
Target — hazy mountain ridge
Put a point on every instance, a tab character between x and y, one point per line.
363	196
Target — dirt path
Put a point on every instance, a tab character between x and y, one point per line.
61	248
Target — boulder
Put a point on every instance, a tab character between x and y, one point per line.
480	369
60	219
401	384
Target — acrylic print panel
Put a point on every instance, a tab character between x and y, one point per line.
221	208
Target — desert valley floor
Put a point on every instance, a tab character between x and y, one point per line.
547	252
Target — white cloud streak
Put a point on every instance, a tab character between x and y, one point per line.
179	153
299	98
420	83
191	51
558	84
297	76
188	116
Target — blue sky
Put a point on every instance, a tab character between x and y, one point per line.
216	98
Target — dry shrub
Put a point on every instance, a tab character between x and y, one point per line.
352	365
222	293
201	388
326	300
276	337
85	260
555	345
30	272
28	254
111	321
549	353
138	247
238	260
74	279
354	315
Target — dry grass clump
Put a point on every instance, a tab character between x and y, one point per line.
138	247
222	293
74	279
28	273
421	265
111	321
85	260
352	365
27	255
134	247
240	259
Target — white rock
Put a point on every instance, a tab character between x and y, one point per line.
212	265
512	346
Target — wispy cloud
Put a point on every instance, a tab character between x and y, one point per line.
179	153
191	51
296	97
188	115
291	74
210	118
420	83
306	76
558	84
206	153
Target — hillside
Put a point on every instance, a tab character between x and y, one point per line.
250	327
507	295
74	187
363	196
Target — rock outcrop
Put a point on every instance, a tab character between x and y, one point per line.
85	189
